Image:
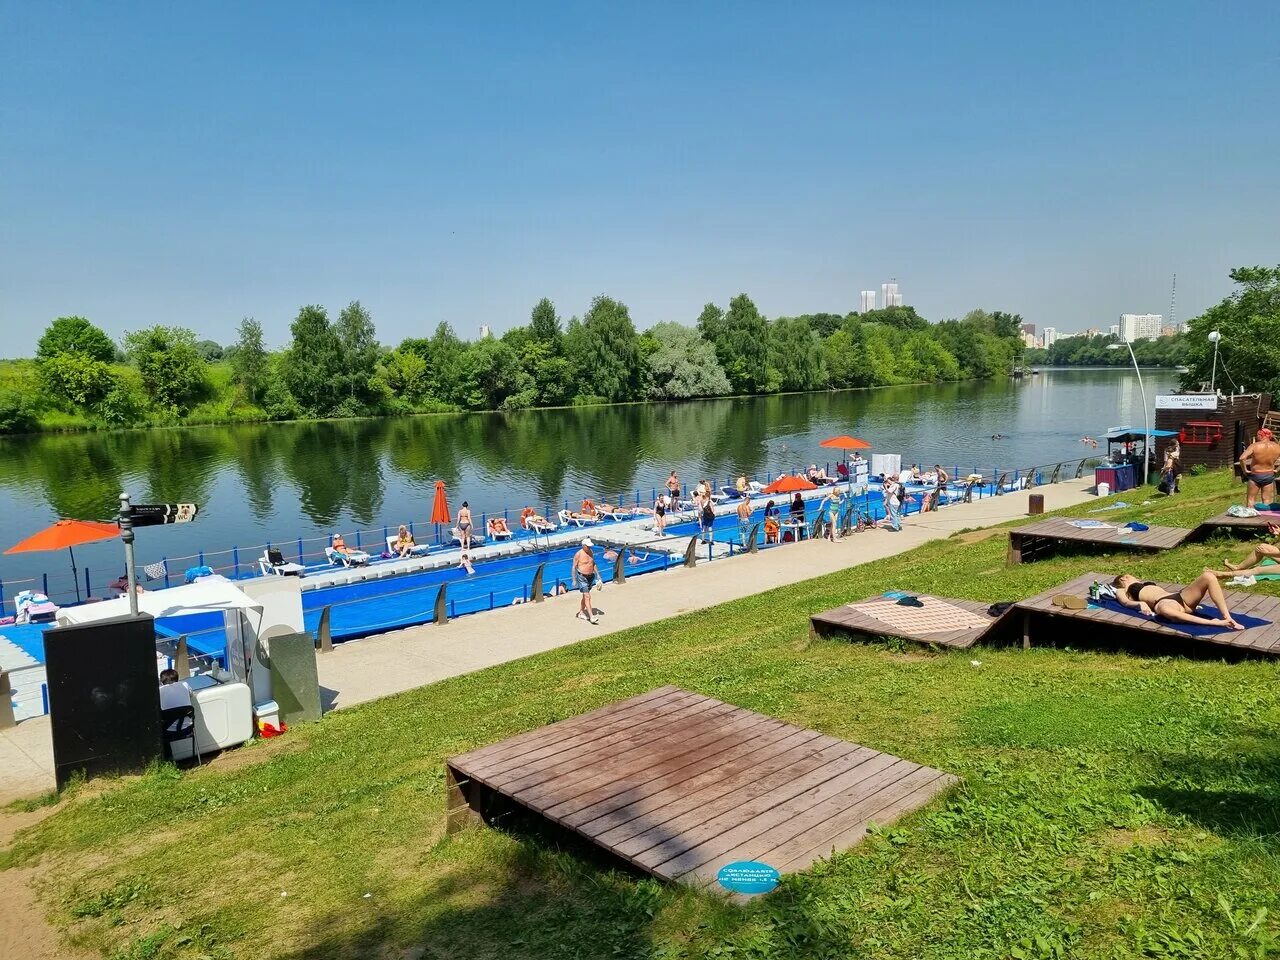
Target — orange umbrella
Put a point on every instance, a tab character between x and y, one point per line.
845	442
789	484
440	508
66	534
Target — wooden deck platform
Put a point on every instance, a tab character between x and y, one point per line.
1038	539
680	784
1241	526
1263	640
941	621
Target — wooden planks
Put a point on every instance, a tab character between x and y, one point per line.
1243	526
1264	640
851	619
1036	539
680	784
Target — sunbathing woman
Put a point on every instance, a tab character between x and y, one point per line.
1178	607
497	527
1252	565
404	542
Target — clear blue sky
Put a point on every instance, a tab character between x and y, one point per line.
196	163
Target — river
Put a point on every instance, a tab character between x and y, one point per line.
280	482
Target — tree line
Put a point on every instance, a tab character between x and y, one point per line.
336	367
1083	350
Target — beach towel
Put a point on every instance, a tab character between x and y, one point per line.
1091	524
154	571
1190	629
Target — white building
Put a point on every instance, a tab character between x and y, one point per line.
1115	330
889	294
484	331
1140	326
868	301
1050	335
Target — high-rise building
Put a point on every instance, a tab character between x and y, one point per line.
484	331
1114	330
1050	335
1140	326
1029	340
889	294
1027	328
868	301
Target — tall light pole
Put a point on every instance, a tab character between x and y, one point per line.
1146	422
1214	337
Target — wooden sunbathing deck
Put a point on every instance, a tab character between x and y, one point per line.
909	623
680	784
1037	539
1263	640
1241	526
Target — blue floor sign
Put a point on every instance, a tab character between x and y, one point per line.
748	876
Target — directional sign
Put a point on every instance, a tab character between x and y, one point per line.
153	514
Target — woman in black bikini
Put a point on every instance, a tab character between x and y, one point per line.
1180	607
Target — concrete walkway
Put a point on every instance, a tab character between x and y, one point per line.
363	670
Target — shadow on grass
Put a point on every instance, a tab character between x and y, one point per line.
1240	797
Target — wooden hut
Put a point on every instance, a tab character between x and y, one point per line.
1212	431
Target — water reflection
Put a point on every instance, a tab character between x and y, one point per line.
278	481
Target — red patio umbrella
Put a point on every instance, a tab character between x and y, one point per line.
845	442
440	508
789	484
64	535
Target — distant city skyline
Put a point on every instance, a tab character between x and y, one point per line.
195	165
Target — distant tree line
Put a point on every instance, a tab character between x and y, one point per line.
1097	351
335	367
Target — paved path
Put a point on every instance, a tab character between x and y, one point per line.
364	670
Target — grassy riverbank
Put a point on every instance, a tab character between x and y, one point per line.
1113	805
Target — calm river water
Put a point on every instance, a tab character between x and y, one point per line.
284	481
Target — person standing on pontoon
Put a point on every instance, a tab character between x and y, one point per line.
744	521
464	526
673	488
660	514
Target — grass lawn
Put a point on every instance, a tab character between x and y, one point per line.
1113	805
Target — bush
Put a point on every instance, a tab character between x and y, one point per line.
16	416
77	379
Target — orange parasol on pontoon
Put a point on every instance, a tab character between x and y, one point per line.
440	508
789	484
65	535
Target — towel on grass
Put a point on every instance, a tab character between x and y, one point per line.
1190	629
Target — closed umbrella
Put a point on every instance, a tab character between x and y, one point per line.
440	508
65	535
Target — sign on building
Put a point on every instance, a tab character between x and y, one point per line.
1187	401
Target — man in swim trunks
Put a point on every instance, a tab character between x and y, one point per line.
1179	607
744	521
584	577
1259	465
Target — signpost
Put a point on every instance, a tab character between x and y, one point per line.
146	515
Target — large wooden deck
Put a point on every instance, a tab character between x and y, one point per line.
1038	539
942	621
1038	611
680	784
1240	526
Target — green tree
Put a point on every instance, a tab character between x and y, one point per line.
75	335
443	364
16	414
608	361
76	379
249	364
544	325
841	359
900	318
795	354
741	339
711	323
1248	321
209	350
359	352
404	372
174	375
313	369
682	364
489	374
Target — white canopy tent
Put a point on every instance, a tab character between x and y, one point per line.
241	613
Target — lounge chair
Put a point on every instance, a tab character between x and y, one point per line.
273	564
352	558
31	606
577	519
476	539
417	550
540	525
731	493
505	533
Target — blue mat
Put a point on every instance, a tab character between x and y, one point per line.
1190	629
29	637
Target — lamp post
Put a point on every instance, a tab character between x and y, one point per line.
1146	422
1214	337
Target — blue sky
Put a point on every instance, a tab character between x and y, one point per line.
193	164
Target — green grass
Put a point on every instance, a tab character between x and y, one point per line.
1113	805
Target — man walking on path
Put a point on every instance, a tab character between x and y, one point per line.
744	522
1259	465
584	578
